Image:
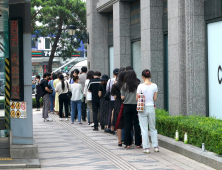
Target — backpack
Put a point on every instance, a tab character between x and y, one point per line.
39	90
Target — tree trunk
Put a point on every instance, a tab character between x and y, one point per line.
54	46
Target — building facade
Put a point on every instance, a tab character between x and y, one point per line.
177	40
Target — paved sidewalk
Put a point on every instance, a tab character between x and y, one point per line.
66	146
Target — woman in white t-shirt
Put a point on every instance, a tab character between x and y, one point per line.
147	117
76	90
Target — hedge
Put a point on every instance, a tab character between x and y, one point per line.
33	102
200	129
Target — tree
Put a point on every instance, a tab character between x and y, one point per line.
55	17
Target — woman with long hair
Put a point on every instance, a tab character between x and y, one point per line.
118	102
128	94
104	104
88	96
56	94
147	117
76	90
62	88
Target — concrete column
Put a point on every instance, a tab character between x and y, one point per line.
97	49
22	129
187	83
176	58
195	57
152	43
121	34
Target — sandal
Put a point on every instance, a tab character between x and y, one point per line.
138	147
127	147
119	143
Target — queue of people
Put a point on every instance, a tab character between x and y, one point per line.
109	104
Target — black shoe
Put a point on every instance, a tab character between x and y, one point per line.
84	120
107	130
102	127
95	129
112	132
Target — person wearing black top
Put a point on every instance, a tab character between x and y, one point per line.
93	87
104	104
118	102
45	97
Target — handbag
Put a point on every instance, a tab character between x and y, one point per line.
69	94
141	103
108	94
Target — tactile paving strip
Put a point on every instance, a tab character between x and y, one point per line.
119	162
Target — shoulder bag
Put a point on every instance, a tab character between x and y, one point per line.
141	102
107	95
69	94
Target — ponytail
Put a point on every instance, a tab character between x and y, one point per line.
61	77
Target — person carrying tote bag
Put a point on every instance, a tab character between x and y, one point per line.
147	115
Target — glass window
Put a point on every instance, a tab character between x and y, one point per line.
135	12
136	58
33	42
47	43
111	62
215	68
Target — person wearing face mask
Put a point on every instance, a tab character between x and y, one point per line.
37	97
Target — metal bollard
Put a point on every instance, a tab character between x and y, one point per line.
203	147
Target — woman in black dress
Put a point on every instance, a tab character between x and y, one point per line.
118	102
104	104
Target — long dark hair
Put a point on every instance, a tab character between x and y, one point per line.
131	81
120	70
117	86
71	76
90	75
61	77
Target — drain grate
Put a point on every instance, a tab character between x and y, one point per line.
119	162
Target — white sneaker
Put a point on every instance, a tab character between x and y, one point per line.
147	150
92	125
48	119
60	119
67	119
156	149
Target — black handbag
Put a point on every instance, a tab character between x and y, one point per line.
69	94
108	94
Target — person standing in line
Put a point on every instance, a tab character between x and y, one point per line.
104	104
93	87
46	91
52	96
118	103
82	80
37	97
112	101
128	94
76	90
55	82
147	117
62	90
75	73
88	96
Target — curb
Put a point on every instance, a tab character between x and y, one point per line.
208	158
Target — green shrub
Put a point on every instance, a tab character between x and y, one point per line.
200	129
34	103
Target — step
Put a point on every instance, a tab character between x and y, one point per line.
8	163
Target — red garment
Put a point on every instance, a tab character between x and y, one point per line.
119	116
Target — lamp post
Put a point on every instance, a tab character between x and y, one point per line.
84	36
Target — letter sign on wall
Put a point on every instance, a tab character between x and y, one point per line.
16	56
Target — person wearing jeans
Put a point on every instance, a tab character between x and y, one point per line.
147	117
76	90
52	96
